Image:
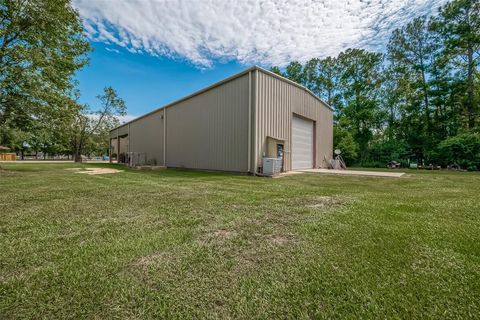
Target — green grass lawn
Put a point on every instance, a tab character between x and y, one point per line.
180	244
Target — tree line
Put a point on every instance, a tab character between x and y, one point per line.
416	102
42	45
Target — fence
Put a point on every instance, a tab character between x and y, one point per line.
8	157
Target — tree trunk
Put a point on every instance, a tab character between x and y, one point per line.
425	94
392	122
77	157
78	151
470	102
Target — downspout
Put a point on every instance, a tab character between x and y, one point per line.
164	136
128	149
255	107
118	148
249	151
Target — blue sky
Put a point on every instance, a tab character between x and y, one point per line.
145	82
156	51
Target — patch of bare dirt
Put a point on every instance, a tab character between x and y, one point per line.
265	251
324	202
9	173
216	236
95	171
282	239
150	260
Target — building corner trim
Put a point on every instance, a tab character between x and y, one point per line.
165	137
255	124
249	143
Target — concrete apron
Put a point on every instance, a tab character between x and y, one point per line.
356	173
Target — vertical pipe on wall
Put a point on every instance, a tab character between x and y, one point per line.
255	124
164	136
128	146
118	147
249	160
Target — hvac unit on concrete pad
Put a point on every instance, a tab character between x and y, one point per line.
272	166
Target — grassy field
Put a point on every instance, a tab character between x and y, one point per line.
180	244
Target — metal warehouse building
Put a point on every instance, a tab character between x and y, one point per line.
232	125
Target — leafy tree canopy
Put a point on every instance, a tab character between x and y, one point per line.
42	44
419	101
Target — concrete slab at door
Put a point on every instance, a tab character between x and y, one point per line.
356	173
302	143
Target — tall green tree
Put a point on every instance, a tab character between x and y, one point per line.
42	44
459	27
276	70
310	74
360	81
328	80
412	51
91	128
322	77
294	71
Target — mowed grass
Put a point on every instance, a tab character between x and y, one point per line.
182	244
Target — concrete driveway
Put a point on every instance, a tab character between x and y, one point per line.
356	172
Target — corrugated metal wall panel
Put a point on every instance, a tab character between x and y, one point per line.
122	130
276	102
210	130
146	136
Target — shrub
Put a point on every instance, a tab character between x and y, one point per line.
371	164
386	151
344	141
462	149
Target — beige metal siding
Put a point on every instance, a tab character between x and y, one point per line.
276	101
225	126
146	136
120	131
210	130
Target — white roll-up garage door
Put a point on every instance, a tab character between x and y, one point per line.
302	143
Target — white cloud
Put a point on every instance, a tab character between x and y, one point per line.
126	118
267	32
123	119
112	50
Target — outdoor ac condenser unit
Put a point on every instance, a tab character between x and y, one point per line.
272	166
